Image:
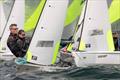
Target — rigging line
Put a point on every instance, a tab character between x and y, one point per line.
80	25
75	31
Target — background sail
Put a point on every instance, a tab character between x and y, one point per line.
114	14
79	30
5	7
16	16
72	17
2	19
46	39
97	27
76	35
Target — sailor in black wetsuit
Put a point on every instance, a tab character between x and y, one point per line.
22	43
12	39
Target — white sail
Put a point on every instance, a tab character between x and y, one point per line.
2	19
17	17
46	39
96	34
5	8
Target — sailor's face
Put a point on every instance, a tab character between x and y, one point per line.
22	35
14	30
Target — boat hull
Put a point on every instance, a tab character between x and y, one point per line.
96	58
6	56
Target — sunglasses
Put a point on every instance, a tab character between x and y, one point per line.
22	34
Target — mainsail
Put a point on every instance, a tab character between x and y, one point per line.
96	28
45	42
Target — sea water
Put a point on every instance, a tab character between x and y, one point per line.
8	71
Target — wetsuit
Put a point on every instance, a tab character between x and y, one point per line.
11	43
22	44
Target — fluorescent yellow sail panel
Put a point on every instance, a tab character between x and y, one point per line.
32	21
69	48
73	12
82	46
28	55
56	52
114	11
110	40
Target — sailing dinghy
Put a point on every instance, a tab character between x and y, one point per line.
45	43
94	44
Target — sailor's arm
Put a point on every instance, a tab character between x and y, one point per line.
11	43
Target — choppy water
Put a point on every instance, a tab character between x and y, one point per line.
8	71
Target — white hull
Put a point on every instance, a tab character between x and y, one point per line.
32	67
83	59
6	56
96	58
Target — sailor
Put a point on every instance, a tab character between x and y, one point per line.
22	43
66	58
11	41
119	43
